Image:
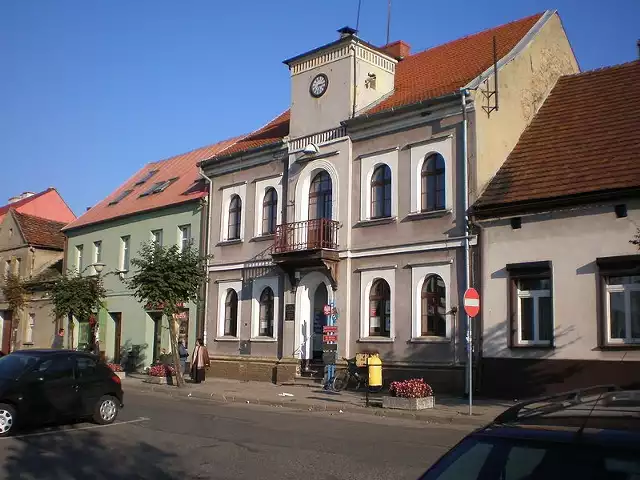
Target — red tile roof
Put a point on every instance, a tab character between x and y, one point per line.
188	186
429	74
40	232
46	204
584	139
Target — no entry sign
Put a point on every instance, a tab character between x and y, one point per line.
472	302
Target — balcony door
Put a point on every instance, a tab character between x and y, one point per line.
320	208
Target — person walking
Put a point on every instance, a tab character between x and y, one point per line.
199	362
58	340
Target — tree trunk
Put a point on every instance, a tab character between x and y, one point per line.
70	330
175	353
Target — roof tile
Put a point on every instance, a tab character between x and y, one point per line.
40	231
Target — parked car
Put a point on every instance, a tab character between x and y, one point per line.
592	433
44	386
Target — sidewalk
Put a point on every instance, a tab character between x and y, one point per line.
447	410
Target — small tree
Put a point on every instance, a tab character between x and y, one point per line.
73	295
636	238
166	277
15	294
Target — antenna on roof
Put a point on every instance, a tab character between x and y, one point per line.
388	21
492	94
358	15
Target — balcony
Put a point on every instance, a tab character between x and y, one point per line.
307	244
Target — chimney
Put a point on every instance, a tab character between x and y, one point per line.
22	196
397	49
347	32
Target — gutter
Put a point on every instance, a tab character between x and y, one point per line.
207	250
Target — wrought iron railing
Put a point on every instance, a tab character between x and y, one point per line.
319	233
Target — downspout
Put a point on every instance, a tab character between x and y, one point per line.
207	250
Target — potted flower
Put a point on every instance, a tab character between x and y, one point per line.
413	394
117	369
161	373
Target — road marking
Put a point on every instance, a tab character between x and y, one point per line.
90	427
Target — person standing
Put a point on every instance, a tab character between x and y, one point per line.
58	340
199	361
184	355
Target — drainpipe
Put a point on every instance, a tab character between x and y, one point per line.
207	250
467	262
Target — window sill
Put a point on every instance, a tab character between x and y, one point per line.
620	346
533	346
224	243
376	340
263	340
430	340
263	238
375	221
28	344
424	215
227	339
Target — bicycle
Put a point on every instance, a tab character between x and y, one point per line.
352	374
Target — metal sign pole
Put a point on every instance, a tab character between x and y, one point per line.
470	361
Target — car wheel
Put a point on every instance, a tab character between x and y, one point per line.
106	410
7	419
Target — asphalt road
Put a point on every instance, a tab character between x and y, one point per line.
159	437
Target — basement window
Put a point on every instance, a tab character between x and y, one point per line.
120	197
148	175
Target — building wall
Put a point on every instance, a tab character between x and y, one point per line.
571	240
524	83
137	326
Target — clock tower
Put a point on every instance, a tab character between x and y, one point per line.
336	81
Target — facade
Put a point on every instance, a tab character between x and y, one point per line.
165	202
560	276
356	196
31	247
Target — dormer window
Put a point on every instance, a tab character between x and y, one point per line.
159	187
147	176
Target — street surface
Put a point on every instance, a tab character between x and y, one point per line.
160	437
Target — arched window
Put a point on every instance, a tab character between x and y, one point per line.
235	217
380	309
266	313
433	188
320	196
434	306
231	314
381	192
269	211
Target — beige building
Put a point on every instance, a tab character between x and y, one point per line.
560	276
356	196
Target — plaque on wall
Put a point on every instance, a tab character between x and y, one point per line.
245	347
289	312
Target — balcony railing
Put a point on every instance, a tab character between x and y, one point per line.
306	235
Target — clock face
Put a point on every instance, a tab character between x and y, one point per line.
319	85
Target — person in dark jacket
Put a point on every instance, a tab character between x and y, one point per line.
58	340
184	355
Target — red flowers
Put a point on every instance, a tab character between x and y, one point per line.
115	367
414	388
161	370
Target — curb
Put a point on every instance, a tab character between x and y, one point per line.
311	407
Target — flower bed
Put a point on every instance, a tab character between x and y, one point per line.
161	370
116	367
414	394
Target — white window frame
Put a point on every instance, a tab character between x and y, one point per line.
367	278
368	163
536	295
419	154
419	274
261	189
227	194
626	289
223	288
28	333
80	257
181	235
303	185
125	251
155	234
259	284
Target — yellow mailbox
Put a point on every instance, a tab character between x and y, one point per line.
375	370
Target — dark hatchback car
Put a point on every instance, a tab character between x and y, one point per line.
46	386
586	434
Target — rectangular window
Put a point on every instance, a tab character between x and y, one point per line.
28	334
7	267
156	237
146	177
97	252
79	259
125	252
531	304
18	267
184	237
623	308
120	197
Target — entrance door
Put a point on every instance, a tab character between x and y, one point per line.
157	334
7	331
117	336
319	300
320	207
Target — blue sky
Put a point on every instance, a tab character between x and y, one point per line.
92	90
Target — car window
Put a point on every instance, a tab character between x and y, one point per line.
56	368
86	367
14	365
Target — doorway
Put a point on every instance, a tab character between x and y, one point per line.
116	319
7	330
157	334
313	292
320	299
320	208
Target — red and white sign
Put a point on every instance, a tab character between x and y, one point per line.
326	310
472	302
330	330
329	338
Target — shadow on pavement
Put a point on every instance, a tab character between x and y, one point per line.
68	453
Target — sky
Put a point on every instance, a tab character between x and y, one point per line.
90	91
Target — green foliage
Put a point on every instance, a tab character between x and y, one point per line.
636	238
166	276
73	294
14	291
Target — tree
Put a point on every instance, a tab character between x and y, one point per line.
14	292
73	295
636	238
167	277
